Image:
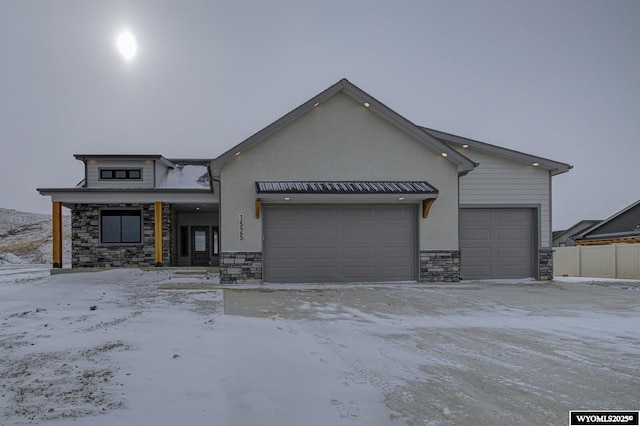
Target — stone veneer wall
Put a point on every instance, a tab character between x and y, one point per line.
440	265
88	252
545	264
241	268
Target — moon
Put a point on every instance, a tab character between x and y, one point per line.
127	45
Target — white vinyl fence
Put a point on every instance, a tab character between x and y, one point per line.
605	261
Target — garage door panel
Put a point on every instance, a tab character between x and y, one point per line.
513	234
317	252
359	253
396	233
339	243
513	215
496	243
477	252
287	252
512	253
476	234
360	233
319	273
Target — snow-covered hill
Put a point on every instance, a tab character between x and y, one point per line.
26	237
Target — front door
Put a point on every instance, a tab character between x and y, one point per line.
200	246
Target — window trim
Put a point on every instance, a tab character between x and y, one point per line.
113	171
113	212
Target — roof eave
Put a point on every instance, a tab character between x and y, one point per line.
589	230
554	167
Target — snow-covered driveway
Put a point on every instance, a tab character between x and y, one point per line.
111	348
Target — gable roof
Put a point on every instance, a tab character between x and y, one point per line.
458	141
463	163
573	231
631	227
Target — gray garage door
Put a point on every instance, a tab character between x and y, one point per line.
496	243
339	243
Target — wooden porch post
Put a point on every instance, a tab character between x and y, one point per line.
57	234
158	232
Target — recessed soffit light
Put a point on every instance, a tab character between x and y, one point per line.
536	164
287	198
444	154
366	104
465	146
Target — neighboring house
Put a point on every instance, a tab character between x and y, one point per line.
622	227
566	237
341	189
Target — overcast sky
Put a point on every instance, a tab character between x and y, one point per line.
558	79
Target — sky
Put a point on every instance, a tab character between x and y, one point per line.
557	79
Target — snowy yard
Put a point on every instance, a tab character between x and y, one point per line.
118	347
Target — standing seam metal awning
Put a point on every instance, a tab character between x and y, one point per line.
345	187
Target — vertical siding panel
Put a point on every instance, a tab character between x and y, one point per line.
598	261
628	261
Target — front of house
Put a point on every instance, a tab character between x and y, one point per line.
341	189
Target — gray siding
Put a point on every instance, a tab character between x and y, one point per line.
93	173
499	181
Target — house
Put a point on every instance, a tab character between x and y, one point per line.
565	238
341	189
622	227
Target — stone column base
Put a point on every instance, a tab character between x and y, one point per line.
439	265
545	264
241	267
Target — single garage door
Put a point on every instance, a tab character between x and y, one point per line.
496	243
339	243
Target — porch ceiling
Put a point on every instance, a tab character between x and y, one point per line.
195	208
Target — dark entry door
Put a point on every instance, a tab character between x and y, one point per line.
200	246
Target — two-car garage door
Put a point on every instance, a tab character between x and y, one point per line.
339	243
497	243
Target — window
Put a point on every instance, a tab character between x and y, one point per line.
120	226
184	241
130	174
216	247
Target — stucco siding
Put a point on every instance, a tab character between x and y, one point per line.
337	140
499	181
93	173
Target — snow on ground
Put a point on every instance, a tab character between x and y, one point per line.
120	347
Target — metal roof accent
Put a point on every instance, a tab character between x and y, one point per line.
345	187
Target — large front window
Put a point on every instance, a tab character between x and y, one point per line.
121	226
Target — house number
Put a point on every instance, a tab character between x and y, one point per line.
241	227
